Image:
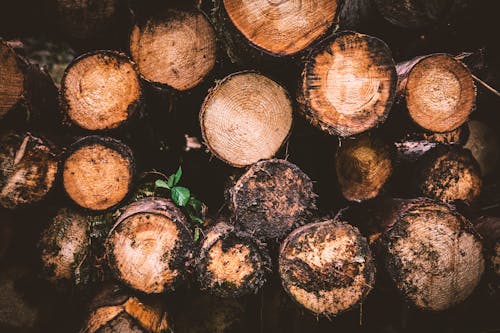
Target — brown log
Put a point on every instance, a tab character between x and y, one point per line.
100	90
326	267
98	172
484	144
231	263
28	169
149	245
348	84
246	117
271	198
489	229
174	48
438	91
432	254
363	166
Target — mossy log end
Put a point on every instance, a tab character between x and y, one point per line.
327	267
149	246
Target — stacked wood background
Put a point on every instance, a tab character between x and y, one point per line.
339	166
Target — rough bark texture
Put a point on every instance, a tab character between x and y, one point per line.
432	254
246	117
149	245
438	91
28	168
326	267
174	48
100	90
230	263
98	172
348	84
363	165
271	198
484	144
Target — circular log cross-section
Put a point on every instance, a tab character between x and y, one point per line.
12	79
100	90
348	84
149	245
230	263
174	48
449	174
28	168
326	267
432	255
271	198
484	144
273	25
363	167
439	91
64	244
246	118
98	172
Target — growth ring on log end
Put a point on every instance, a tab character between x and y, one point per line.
348	84
149	245
12	79
326	267
246	117
100	90
174	48
432	254
98	172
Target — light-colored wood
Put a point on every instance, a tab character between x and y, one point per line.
12	79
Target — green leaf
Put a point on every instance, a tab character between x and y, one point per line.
170	182
161	184
196	234
196	219
180	195
195	204
177	176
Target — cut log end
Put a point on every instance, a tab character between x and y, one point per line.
230	263
28	168
363	167
246	118
272	25
149	245
175	48
12	79
450	174
272	198
440	93
348	84
484	144
100	90
98	172
327	267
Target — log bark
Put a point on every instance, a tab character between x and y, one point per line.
363	166
484	144
271	198
348	84
432	254
449	174
149	246
326	267
230	263
438	91
174	48
246	117
100	90
98	172
28	169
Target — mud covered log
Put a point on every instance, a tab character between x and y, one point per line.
65	245
26	91
230	263
114	310
271	198
246	117
326	267
100	90
449	174
348	84
438	91
174	48
484	144
98	172
489	229
28	168
363	166
149	245
432	254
